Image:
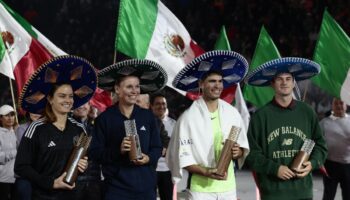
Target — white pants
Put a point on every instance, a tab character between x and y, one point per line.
231	195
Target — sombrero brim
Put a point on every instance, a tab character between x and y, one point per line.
152	76
231	65
300	68
73	70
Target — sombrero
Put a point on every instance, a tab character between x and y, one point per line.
300	68
231	65
152	76
73	70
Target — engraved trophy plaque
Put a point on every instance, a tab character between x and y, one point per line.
303	155
79	151
135	152
226	154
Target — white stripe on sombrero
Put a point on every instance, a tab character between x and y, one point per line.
279	61
31	129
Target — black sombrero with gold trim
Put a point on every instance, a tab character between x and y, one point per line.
73	70
152	76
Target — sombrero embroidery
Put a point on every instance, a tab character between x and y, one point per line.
73	70
152	76
300	68
232	66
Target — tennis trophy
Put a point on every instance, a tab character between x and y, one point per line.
135	152
79	151
226	153
303	155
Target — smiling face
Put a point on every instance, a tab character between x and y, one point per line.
283	84
62	100
128	90
211	86
159	106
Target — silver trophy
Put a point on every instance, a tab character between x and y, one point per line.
303	155
135	152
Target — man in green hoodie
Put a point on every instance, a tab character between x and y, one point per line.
278	130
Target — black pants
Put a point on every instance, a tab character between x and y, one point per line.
7	191
23	189
165	185
88	190
338	173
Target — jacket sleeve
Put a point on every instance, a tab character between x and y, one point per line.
256	158
163	134
155	147
26	155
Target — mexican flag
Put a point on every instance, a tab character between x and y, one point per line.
27	48
265	51
148	30
332	52
5	61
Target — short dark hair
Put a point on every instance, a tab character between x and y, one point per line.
206	74
156	95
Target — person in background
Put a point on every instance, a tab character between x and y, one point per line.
143	102
23	186
31	117
197	140
8	151
89	183
159	108
277	132
337	133
58	86
125	178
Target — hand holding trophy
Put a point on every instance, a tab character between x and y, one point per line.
226	153
303	155
79	151
135	152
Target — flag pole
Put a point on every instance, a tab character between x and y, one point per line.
10	81
13	98
305	92
115	57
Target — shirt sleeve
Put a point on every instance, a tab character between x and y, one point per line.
26	155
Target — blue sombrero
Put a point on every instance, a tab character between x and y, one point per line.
300	68
73	70
152	76
231	65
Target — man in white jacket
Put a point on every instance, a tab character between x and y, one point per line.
199	133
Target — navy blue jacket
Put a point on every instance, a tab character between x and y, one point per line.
119	172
